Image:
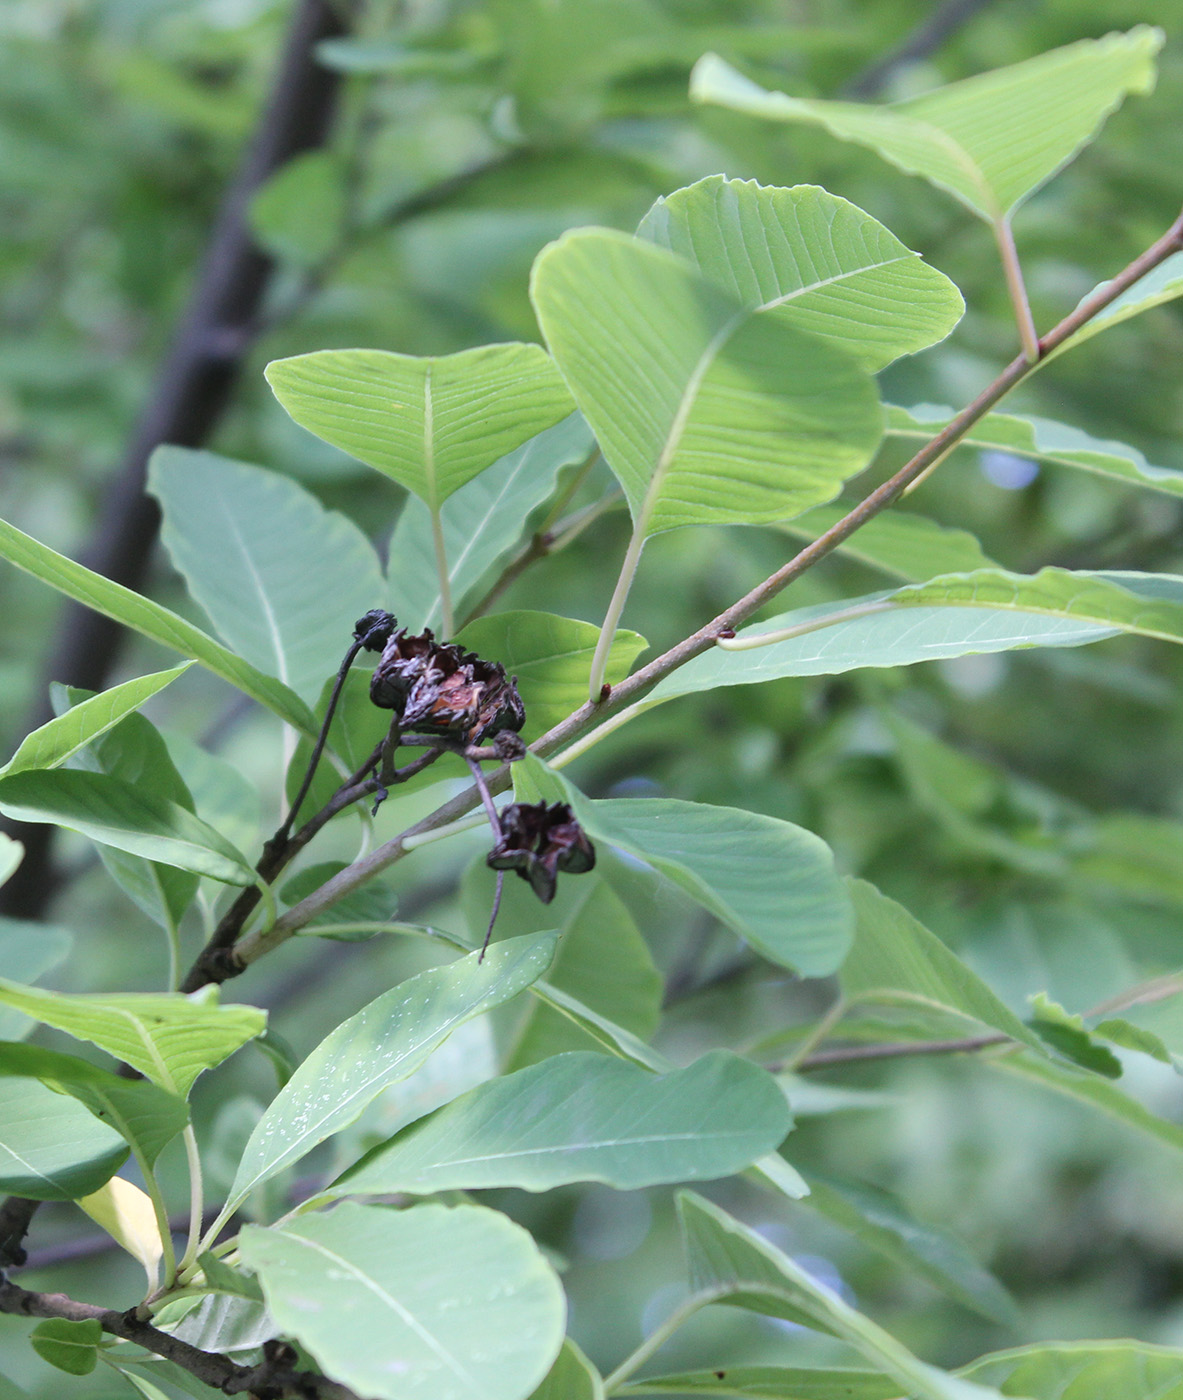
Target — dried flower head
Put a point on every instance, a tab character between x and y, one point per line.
540	841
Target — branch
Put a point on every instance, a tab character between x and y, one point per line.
923	41
860	1054
273	1379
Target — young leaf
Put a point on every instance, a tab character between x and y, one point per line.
551	658
62	737
1038	440
1069	1035
383	1043
770	1383
430	423
706	410
816	261
461	1297
481	523
129	1217
132	819
572	1377
772	882
145	1116
169	1038
730	1263
142	615
51	1148
280	577
72	1347
584	1117
1083	1371
991	141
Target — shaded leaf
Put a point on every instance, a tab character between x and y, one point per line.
28	950
1164	283
909	547
572	1377
1068	1034
72	1347
461	1297
771	1383
51	1148
1083	1371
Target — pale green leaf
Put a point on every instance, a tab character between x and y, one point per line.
129	1217
130	818
551	658
991	140
299	212
72	1347
584	1117
770	1383
28	950
1162	284
906	546
572	1377
430	423
168	1037
51	1148
731	1263
62	737
11	855
770	881
707	411
481	523
382	1044
817	261
1038	440
429	1303
142	615
144	1115
1084	1371
281	578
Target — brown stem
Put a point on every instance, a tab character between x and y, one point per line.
274	1379
859	1054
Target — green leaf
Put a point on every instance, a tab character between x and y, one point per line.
1083	1371
896	959
382	1044
129	818
299	213
817	261
51	1148
1162	284
884	1225
28	950
221	1278
770	1383
730	1263
281	578
62	737
150	620
572	1377
1038	440
584	1117
168	1037
72	1347
770	881
707	411
429	1303
1124	1033
551	658
430	423
992	140
1069	1035
909	547
144	1115
372	903
481	523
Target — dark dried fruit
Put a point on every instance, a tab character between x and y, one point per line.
404	661
538	842
372	631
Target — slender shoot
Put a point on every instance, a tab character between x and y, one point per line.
196	1198
318	748
628	571
447	618
1028	335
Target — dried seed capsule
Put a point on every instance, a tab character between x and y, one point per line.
539	842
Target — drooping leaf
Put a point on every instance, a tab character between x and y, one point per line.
144	1115
72	1347
772	882
461	1298
813	259
572	1377
51	1148
730	1263
884	1225
584	1117
481	522
280	577
1039	440
152	621
128	1216
62	737
132	819
168	1037
1083	1371
771	1383
707	411
551	658
992	140
383	1043
906	546
430	423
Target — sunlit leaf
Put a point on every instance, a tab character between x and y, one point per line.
128	1216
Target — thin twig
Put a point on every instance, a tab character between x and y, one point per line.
858	1054
924	40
